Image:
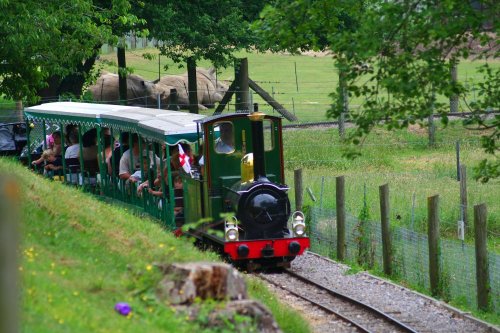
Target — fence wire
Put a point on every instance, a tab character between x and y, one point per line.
410	256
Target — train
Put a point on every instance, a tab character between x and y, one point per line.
230	169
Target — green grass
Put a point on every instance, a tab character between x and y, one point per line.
306	94
80	256
403	160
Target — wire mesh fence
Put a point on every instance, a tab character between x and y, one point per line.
410	256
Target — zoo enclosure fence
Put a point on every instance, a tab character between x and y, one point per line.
410	256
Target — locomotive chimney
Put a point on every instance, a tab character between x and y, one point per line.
259	163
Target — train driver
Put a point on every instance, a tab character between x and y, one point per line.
224	144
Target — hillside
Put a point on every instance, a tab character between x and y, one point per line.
81	256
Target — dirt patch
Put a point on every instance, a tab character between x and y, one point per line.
417	129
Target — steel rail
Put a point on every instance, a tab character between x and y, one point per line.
351	300
319	305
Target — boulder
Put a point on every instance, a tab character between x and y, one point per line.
185	282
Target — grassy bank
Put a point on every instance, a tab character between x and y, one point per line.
403	160
80	256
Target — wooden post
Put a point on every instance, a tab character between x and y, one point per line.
457	149
432	126
463	193
19	110
344	102
296	79
192	86
340	204
386	231
133	41
173	100
299	190
9	208
242	87
433	237
454	79
122	73
482	269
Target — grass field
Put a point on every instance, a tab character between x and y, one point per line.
80	256
403	160
305	94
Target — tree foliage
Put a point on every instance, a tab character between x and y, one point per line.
53	44
397	57
208	29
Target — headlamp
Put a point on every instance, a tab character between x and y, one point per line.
298	224
231	229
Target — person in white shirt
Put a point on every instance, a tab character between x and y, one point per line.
73	150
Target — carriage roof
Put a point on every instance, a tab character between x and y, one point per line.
163	125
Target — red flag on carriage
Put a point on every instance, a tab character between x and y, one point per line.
184	160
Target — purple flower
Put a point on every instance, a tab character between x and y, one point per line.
123	308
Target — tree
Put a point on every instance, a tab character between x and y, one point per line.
397	57
50	47
303	25
37	41
408	48
211	29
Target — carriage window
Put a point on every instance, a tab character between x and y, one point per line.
224	141
268	135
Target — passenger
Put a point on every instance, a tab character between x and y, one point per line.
125	170
108	147
225	143
123	145
137	176
175	163
56	147
70	129
158	192
52	162
53	143
89	144
73	151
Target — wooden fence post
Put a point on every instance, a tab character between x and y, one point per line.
192	86
433	238
340	204
173	100
19	110
463	192
482	269
386	231
9	210
122	72
432	126
454	79
242	88
299	190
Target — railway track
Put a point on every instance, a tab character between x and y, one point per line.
363	317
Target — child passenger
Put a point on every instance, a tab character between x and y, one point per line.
137	175
52	162
159	192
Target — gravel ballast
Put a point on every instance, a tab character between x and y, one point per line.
418	311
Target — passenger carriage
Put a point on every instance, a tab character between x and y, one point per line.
237	191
